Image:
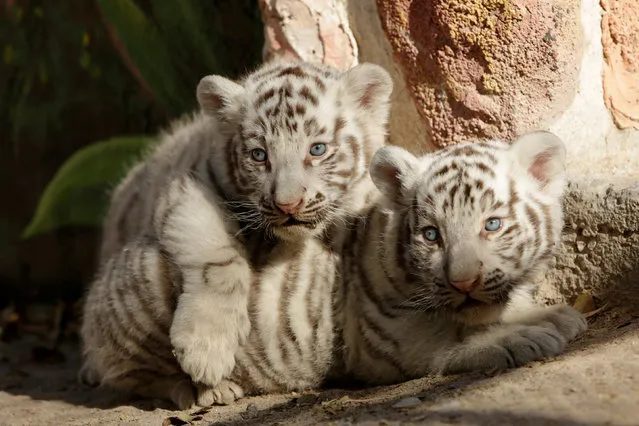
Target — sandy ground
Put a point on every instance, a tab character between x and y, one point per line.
595	383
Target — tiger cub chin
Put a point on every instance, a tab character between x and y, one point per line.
438	275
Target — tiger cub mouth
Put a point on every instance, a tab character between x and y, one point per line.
471	302
291	221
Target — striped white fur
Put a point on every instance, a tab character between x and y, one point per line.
410	306
220	233
394	313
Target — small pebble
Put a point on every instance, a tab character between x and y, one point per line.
412	401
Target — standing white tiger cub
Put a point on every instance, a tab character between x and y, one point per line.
233	201
436	278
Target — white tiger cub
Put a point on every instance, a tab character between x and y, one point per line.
437	278
433	278
234	199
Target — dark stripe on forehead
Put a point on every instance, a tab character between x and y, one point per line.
439	188
485	169
305	92
320	84
296	71
487	199
354	144
264	97
514	198
464	150
310	126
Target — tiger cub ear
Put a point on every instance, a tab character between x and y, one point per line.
395	171
220	97
367	88
542	155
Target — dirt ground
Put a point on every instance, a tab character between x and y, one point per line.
595	383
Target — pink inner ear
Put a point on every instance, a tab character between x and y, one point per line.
391	174
212	101
539	167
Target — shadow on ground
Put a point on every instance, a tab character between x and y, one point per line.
37	386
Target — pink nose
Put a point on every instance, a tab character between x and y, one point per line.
291	208
466	286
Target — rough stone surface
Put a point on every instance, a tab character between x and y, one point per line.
620	28
593	141
485	68
406	126
600	248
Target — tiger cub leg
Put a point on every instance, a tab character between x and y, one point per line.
125	328
211	319
534	335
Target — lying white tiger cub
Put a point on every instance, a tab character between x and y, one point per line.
437	279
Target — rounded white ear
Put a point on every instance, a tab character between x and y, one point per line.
543	155
394	171
219	97
367	89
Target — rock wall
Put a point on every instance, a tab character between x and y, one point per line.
600	248
485	68
620	27
469	69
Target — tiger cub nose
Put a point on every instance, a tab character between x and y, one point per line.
466	285
291	208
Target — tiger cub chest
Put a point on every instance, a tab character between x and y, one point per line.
290	306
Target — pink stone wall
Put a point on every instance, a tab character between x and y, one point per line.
620	39
310	30
485	68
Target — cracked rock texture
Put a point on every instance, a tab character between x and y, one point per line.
600	248
485	68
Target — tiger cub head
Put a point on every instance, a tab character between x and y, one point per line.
298	141
477	220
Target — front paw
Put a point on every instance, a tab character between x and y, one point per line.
568	321
509	348
206	358
225	393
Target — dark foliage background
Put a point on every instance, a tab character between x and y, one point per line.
77	74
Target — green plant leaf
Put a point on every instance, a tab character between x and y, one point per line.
78	193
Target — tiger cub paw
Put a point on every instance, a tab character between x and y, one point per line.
206	359
568	321
205	336
183	395
225	393
511	348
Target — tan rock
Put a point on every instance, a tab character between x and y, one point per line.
485	68
406	126
310	30
620	39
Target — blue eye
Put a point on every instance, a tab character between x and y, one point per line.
431	233
258	155
318	149
493	224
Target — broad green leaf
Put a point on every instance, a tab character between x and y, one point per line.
78	193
